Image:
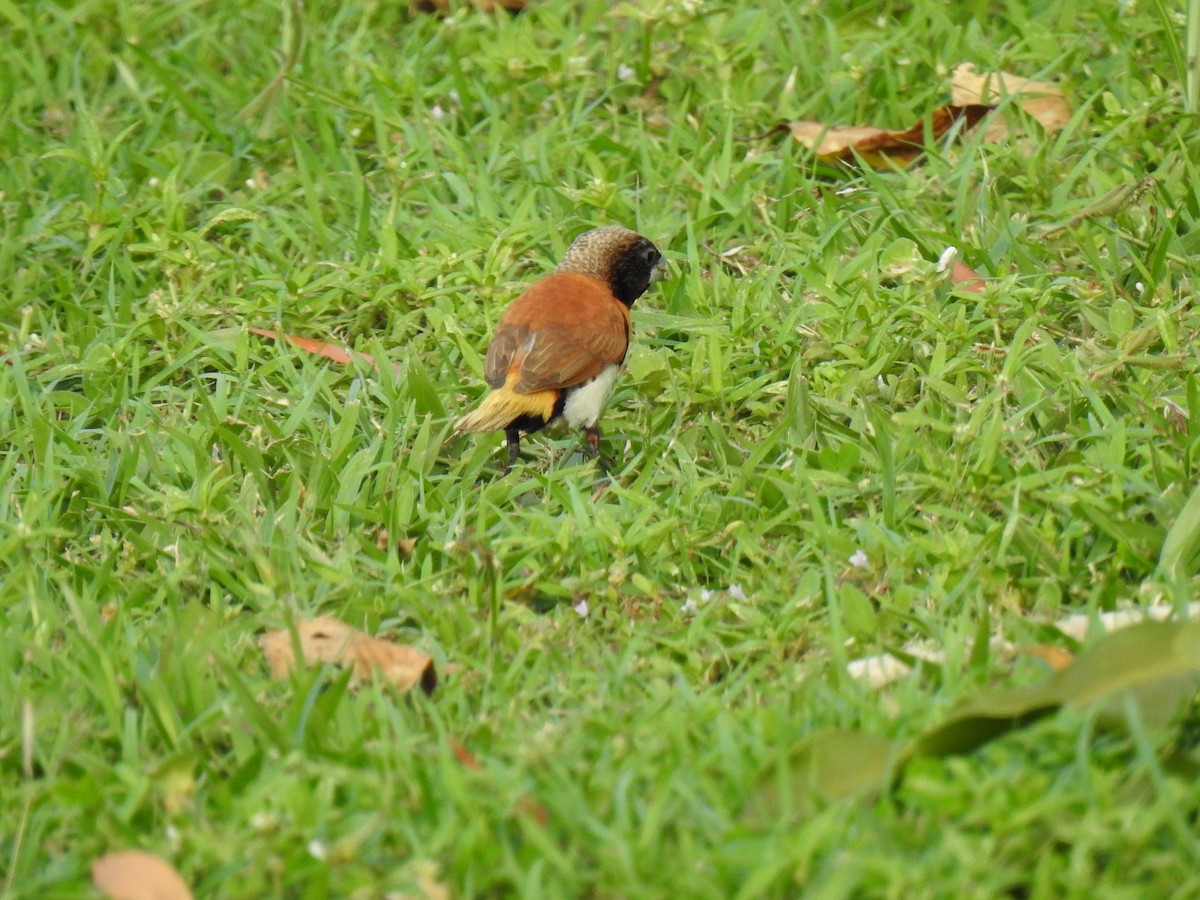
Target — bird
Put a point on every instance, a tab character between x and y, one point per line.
556	351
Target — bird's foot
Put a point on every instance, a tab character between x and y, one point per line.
591	448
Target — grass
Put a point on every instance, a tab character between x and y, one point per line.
806	388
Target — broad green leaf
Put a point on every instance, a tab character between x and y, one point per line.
900	257
1156	661
828	765
1182	541
859	616
1120	317
984	718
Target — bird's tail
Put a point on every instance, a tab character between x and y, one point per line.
503	406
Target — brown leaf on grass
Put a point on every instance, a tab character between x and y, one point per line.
1042	101
465	756
966	278
384	541
1055	657
135	875
320	348
972	96
328	640
879	147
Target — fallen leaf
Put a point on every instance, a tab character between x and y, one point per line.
828	764
465	756
320	348
966	278
972	97
1153	663
1055	657
1044	102
987	716
1151	667
883	669
135	875
328	640
384	541
880	147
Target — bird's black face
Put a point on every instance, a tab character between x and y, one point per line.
634	269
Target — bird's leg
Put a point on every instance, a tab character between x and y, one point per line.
513	438
592	447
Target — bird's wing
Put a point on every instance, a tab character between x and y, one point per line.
563	331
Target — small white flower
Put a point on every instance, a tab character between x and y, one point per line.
437	112
736	592
706	595
624	72
455	97
689	607
859	560
317	850
1141	288
582	609
946	258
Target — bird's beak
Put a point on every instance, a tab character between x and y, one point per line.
660	271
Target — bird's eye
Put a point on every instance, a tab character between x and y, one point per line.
651	256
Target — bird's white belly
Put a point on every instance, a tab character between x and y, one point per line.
583	405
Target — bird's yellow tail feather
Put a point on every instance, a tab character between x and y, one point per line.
502	406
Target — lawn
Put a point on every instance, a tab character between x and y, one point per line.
823	450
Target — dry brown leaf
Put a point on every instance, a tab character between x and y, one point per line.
1042	101
972	96
1055	657
465	756
134	875
328	640
384	541
879	147
320	348
966	278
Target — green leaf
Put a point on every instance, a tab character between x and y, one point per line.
984	718
1182	541
859	616
1154	662
828	765
1120	317
1134	658
899	257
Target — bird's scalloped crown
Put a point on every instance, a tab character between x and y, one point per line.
593	252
